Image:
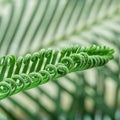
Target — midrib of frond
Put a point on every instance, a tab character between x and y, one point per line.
86	27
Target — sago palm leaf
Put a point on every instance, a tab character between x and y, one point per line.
26	26
32	70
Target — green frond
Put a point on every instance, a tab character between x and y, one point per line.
32	70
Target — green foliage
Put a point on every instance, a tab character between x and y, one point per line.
42	66
27	26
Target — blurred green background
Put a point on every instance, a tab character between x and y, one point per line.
27	26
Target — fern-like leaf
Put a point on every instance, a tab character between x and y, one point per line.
32	70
